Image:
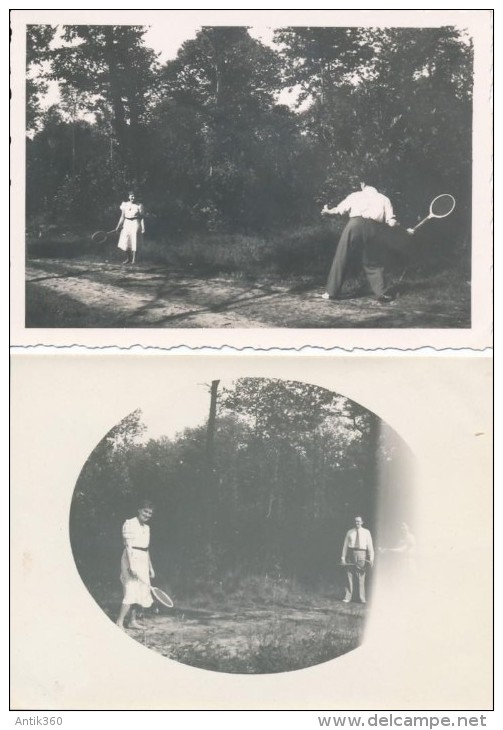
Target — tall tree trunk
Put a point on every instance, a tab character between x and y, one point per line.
119	124
371	488
210	429
210	498
73	148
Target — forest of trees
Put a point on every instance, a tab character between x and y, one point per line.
266	487
208	147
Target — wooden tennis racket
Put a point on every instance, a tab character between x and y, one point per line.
161	596
102	236
440	207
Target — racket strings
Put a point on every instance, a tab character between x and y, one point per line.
162	597
102	236
442	205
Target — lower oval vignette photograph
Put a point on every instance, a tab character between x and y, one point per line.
248	532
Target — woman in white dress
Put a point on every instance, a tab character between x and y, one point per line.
133	227
136	567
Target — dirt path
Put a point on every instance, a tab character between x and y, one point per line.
62	293
254	639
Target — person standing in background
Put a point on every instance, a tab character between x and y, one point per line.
132	227
357	553
404	551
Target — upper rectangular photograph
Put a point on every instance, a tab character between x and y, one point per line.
251	178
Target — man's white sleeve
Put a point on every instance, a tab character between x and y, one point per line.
345	546
370	547
344	206
389	216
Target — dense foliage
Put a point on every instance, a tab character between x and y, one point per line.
206	143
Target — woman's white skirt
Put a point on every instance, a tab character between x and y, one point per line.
136	590
130	235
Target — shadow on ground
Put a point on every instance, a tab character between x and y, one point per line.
86	293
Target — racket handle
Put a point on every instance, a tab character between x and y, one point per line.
421	223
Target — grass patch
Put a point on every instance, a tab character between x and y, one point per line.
302	253
308	249
304	250
270	650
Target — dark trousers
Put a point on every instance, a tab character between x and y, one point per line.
361	237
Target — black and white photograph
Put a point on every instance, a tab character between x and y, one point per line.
235	532
251	289
246	542
250	176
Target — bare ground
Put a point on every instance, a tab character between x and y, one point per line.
87	293
254	640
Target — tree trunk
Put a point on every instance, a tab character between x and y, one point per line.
210	497
119	113
371	495
210	429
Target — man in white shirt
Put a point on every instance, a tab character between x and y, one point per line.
357	554
369	213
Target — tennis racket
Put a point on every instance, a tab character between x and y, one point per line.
161	596
101	236
440	207
355	565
